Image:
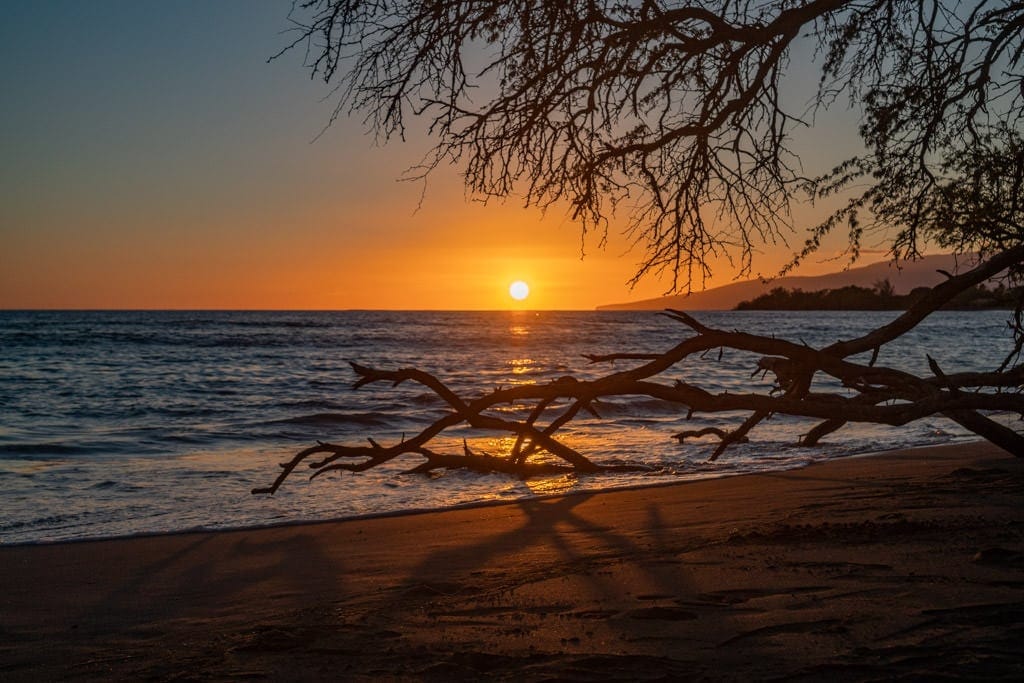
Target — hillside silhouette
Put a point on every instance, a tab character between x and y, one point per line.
907	277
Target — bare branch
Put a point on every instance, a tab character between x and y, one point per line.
674	115
875	394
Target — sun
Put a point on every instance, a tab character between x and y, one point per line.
519	290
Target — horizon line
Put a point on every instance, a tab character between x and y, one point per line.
295	310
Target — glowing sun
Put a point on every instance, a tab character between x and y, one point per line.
519	290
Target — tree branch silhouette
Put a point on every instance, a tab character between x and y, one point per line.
871	393
674	118
677	113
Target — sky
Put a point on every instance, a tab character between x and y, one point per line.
151	157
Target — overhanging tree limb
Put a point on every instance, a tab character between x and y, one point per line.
674	113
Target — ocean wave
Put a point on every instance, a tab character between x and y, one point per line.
270	324
316	419
46	449
47	523
638	407
198	339
113	486
312	403
426	399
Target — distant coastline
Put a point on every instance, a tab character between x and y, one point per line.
905	276
881	297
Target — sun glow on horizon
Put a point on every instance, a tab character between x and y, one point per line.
519	290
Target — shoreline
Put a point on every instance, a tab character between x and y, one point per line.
904	563
962	441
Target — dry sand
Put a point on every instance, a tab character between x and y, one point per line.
907	565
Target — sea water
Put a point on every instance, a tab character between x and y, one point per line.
119	423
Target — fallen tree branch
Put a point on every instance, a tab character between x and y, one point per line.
871	394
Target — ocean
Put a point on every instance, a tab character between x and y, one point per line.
117	423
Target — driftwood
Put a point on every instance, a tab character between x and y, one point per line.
872	394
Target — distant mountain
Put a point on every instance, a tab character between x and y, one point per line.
910	274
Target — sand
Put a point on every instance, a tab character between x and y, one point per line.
905	565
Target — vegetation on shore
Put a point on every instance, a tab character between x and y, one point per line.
881	297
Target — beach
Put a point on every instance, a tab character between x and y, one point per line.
902	565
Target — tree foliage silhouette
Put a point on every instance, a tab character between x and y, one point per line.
674	118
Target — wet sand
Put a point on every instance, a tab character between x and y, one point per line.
906	565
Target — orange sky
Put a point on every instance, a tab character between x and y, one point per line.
153	159
364	246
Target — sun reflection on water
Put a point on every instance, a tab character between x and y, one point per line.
545	486
499	446
521	365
